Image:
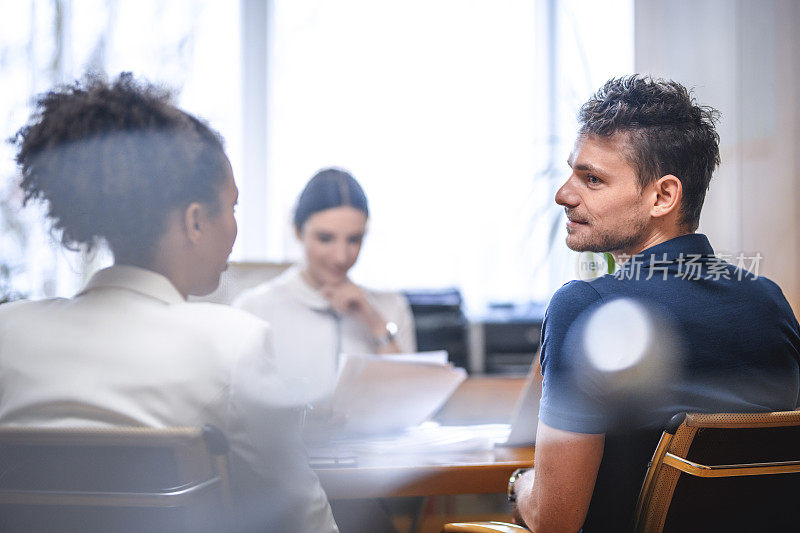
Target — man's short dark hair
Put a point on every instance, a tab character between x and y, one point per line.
665	130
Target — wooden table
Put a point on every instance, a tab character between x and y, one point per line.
478	400
425	474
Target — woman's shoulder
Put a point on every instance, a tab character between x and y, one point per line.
386	299
220	313
383	293
285	289
276	287
219	325
21	309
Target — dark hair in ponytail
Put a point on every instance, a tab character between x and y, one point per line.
330	187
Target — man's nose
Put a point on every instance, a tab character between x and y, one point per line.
567	196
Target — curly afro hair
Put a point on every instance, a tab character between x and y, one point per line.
113	160
666	133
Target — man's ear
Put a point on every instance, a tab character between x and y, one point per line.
193	222
669	193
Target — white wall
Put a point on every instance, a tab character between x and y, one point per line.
743	58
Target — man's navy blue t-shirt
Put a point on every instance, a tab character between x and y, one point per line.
740	346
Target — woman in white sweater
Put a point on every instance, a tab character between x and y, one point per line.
316	311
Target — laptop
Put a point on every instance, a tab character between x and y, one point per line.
525	418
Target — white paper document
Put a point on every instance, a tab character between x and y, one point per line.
427	438
438	357
387	394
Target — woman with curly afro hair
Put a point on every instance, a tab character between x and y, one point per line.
118	163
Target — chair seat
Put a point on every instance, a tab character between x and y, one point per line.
112	479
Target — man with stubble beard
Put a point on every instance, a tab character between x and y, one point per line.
641	166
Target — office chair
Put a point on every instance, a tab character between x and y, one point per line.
713	472
724	472
113	479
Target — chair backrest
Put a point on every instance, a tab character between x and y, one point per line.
724	472
112	479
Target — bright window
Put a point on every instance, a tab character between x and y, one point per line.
191	46
456	116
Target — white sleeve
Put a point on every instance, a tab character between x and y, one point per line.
269	467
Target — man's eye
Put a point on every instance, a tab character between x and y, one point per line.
593	180
324	237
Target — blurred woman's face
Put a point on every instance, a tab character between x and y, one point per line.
332	240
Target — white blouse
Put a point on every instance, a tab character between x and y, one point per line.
309	336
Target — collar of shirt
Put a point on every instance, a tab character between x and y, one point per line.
139	280
303	292
692	244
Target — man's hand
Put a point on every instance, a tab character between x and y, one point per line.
565	465
523	485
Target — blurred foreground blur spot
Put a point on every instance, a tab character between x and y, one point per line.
628	353
618	336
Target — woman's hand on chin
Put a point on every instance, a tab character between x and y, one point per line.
347	298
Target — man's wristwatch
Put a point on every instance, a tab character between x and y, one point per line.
512	496
389	335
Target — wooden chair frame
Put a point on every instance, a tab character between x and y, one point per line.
483	527
669	462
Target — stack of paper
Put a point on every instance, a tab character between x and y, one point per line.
389	393
427	438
